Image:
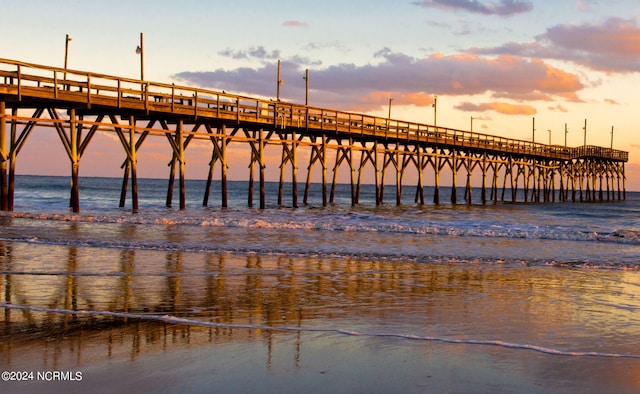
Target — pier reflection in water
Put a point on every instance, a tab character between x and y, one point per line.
76	306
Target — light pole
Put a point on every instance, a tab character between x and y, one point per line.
435	109
140	51
549	137
533	137
472	124
611	137
566	131
585	132
279	83
66	50
390	100
306	87
66	53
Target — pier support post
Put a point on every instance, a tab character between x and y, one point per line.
468	191
172	180
383	172
366	155
352	173
514	182
257	156
317	154
283	160
494	182
454	172
127	163
436	168
624	183
125	184
289	155
399	170
13	153
294	170
263	191
74	137
223	170
342	154
420	166
4	189
134	163
376	167
573	181
561	187
618	182
181	158
323	161
219	153
483	192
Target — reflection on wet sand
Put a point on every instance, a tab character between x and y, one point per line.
63	295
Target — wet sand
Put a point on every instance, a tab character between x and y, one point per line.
166	358
167	321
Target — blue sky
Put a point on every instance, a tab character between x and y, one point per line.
500	61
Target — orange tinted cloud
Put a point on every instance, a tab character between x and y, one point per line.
410	80
612	46
292	23
558	108
499	107
379	99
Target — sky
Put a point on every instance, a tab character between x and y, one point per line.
501	63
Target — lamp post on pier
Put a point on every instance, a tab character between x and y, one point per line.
472	124
66	50
67	39
306	87
611	137
533	137
585	132
140	51
279	82
435	109
566	131
549	137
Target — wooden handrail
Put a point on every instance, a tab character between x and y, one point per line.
176	98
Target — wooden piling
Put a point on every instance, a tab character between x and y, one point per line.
74	137
437	167
13	154
4	187
454	171
263	192
420	164
134	164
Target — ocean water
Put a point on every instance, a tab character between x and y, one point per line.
489	298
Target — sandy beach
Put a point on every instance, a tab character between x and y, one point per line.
232	323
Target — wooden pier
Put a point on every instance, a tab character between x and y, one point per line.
77	104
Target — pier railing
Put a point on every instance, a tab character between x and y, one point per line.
28	82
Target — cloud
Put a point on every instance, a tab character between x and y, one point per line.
611	101
292	23
612	46
258	52
583	6
499	107
409	80
558	108
338	45
502	7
